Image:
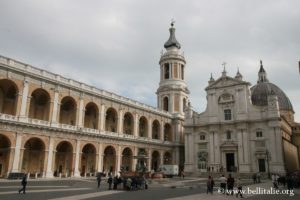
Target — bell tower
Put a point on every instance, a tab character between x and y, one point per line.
172	93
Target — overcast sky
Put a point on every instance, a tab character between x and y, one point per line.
116	45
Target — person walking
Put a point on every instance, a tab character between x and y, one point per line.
239	187
254	178
99	180
230	184
210	185
223	181
258	177
24	183
182	174
109	181
274	181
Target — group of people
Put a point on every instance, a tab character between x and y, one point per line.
226	185
256	177
129	183
288	180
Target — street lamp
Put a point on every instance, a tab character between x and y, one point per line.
268	158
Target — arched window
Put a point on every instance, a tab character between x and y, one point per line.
167	132
111	120
8	97
143	127
39	105
68	110
166	104
128	124
91	116
155	129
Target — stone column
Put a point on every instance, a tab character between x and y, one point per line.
171	105
76	167
161	152
49	172
24	100
211	147
119	157
136	125
149	128
120	121
102	117
149	159
17	156
81	112
161	134
55	108
100	158
134	161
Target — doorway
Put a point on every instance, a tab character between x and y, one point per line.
230	166
261	165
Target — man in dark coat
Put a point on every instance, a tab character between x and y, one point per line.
24	183
230	184
110	181
99	180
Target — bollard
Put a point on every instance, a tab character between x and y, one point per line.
36	175
59	175
28	175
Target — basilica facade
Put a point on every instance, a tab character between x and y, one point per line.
243	130
51	125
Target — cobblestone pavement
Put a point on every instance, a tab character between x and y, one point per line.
174	189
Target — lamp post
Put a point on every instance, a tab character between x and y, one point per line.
268	158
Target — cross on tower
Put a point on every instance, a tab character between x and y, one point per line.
172	22
224	65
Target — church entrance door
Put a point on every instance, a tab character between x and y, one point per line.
230	162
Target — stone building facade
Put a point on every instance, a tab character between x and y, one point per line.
54	126
243	129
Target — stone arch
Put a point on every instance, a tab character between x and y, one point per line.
167	158
166	103
88	160
68	110
40	105
8	97
109	159
5	146
127	159
168	132
155	129
111	120
155	161
128	123
143	127
64	159
33	156
91	116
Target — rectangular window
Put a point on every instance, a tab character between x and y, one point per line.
258	134
228	135
227	114
167	71
182	72
202	137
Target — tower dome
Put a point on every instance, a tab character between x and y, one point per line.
263	88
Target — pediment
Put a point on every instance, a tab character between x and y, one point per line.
226	82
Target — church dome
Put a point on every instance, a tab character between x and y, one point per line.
260	92
263	88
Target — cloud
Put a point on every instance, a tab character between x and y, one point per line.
115	45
